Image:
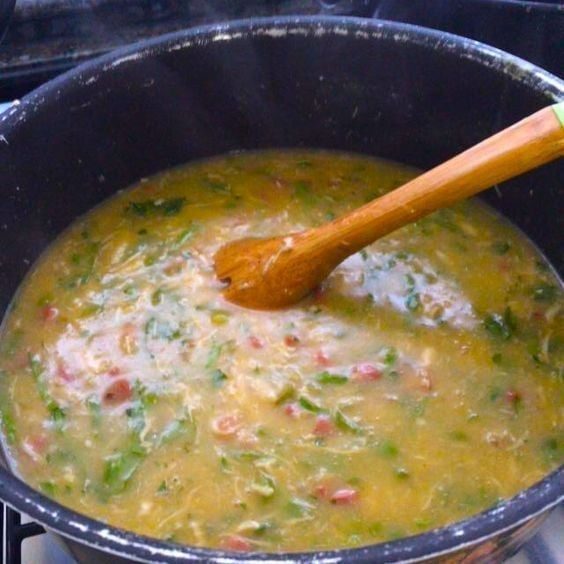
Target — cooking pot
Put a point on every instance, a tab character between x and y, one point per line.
397	91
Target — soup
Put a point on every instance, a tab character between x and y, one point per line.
421	384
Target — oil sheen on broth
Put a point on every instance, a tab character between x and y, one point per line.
421	384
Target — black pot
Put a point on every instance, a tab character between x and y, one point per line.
392	90
6	9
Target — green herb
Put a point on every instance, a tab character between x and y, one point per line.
57	413
185	235
297	507
302	191
346	423
9	425
84	266
459	436
388	449
375	529
152	208
95	409
90	309
328	378
218	377
553	449
163	488
310	405
48	488
446	218
413	302
217	185
497	358
265	486
494	393
501	247
119	468
157	297
136	416
545	292
501	326
184	427
11	343
390	356
158	329
213	356
224	463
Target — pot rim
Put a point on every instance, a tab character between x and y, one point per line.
526	505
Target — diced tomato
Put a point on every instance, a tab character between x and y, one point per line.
504	264
118	392
49	313
322	359
114	371
236	542
255	342
323	426
226	425
321	491
513	397
344	496
319	293
292	409
291	341
38	443
538	315
63	373
366	372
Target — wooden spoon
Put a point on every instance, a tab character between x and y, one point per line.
279	271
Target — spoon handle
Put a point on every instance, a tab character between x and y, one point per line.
533	141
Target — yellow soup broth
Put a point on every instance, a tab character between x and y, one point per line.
421	384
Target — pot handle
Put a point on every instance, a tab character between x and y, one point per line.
6	10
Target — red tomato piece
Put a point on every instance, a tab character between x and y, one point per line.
49	313
323	426
322	359
38	443
63	373
513	397
366	372
291	341
255	342
538	315
292	409
344	496
319	293
226	425
321	491
504	264
118	392
236	542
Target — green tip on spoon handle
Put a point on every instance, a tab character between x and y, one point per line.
559	111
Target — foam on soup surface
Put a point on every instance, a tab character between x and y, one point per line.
421	384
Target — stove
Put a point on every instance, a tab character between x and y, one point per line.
47	37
